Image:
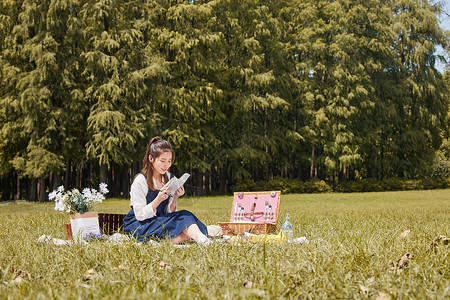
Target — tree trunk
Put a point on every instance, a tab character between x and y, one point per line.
311	172
299	171
130	179
67	175
33	189
56	181
203	183
113	181
42	189
91	175
124	184
210	181
17	195
103	174
200	183
79	178
222	180
7	193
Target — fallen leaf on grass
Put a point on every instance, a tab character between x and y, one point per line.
402	262
383	296
22	274
439	239
295	284
364	290
405	233
248	284
163	265
89	274
120	267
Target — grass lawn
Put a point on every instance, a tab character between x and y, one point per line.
353	241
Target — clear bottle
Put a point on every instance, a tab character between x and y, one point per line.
287	228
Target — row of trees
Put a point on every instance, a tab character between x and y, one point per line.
331	89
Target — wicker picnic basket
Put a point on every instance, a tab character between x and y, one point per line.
253	212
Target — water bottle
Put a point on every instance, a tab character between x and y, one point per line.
287	228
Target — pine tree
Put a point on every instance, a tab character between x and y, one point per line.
251	134
421	104
113	78
37	84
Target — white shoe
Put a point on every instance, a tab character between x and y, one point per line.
203	240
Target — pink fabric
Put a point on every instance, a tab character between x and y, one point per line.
264	207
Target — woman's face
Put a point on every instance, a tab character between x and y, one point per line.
162	163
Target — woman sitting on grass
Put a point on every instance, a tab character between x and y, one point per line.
153	211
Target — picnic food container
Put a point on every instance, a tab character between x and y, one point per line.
253	212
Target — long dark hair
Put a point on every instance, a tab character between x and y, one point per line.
155	148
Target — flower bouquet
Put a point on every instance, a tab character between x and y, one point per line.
78	205
75	202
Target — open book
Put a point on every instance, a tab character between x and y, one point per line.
175	183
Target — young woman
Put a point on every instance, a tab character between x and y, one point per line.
153	211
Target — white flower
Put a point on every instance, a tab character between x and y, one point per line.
87	193
59	206
73	201
100	198
64	198
52	195
103	188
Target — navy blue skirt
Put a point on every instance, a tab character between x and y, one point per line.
168	225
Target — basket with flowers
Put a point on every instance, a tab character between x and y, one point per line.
79	205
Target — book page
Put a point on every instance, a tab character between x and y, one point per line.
175	183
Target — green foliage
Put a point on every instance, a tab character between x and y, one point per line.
393	184
327	90
286	185
317	186
442	168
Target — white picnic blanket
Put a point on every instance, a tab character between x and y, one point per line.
116	238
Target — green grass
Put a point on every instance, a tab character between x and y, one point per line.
354	238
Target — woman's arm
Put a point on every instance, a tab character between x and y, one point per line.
173	203
138	194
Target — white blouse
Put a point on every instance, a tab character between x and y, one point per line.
138	193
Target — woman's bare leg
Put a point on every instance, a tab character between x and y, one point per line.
180	238
191	232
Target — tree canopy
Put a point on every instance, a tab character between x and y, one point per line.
336	90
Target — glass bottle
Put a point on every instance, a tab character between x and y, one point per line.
287	228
